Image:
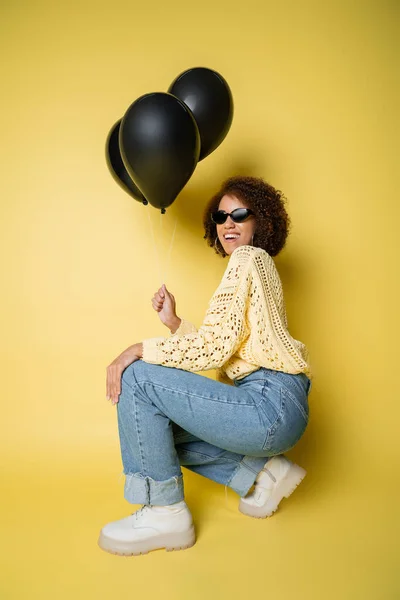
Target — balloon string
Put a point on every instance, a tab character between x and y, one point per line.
162	272
162	245
155	246
170	248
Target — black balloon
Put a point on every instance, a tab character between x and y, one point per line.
160	146
209	98
117	167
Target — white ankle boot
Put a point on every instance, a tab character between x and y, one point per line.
278	479
150	528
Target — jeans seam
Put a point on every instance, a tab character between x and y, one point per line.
297	404
272	428
187	393
244	464
294	385
213	458
240	465
141	476
136	418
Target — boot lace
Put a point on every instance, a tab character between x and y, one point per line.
138	513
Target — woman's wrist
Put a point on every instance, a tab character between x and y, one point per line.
138	349
173	326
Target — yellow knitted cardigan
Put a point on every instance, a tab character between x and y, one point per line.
245	326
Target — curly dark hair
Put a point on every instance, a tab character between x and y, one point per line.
268	204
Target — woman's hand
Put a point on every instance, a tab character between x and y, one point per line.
164	303
116	368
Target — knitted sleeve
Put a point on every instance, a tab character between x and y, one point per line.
188	327
223	329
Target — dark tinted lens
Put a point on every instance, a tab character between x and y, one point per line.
219	217
240	214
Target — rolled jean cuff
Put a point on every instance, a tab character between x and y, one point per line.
245	475
140	489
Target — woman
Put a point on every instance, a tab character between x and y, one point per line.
233	430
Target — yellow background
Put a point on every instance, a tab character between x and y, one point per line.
316	115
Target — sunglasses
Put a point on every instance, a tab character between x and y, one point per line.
238	215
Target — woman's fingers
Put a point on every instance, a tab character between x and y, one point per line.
113	383
157	305
117	383
157	301
108	384
115	370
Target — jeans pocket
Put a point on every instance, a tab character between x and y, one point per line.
289	425
257	389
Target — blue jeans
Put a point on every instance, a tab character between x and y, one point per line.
168	418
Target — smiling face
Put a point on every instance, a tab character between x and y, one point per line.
241	233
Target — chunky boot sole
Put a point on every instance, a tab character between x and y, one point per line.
169	541
283	489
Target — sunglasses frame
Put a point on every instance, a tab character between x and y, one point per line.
223	212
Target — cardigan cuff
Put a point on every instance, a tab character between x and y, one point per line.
151	352
185	327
